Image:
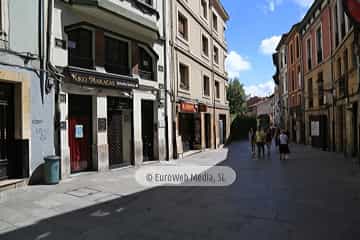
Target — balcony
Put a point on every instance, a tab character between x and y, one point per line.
137	16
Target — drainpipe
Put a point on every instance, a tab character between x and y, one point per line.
41	49
167	157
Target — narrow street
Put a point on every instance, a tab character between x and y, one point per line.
314	195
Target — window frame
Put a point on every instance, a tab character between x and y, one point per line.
93	39
206	55
204	75
109	35
215	24
154	63
186	34
218	55
309	52
188	77
205	18
217	90
321	43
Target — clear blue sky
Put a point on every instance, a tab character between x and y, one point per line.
253	31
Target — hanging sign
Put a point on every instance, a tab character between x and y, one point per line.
188	107
352	9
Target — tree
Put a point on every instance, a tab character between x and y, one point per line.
237	97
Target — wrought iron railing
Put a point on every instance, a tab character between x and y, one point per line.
117	68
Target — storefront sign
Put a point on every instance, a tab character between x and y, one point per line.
79	131
188	108
315	128
203	108
92	78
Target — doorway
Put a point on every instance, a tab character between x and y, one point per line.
207	130
148	131
80	132
119	132
222	129
6	131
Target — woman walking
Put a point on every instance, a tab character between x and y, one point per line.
284	146
268	141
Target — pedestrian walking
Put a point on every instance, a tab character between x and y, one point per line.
284	146
268	140
260	142
277	135
252	140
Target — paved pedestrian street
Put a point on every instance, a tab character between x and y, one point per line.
313	195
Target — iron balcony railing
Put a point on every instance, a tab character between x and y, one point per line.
117	68
82	62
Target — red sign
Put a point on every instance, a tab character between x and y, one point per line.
352	9
188	108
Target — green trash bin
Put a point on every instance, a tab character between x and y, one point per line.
52	170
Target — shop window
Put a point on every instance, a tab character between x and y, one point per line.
184	77
183	26
217	89
116	56
206	85
81	48
146	67
205	45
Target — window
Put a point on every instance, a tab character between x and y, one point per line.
321	89
299	76
336	32
226	93
183	26
206	85
215	22
80	48
297	48
204	9
116	56
3	21
205	45
216	55
184	77
291	54
217	89
310	93
308	53
319	45
146	66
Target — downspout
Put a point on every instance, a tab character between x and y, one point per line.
41	49
167	157
333	88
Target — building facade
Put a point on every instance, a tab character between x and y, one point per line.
294	77
111	99
318	79
198	78
345	72
282	76
26	97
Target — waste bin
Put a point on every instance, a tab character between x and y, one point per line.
52	170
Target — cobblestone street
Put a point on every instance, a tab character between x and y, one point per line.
314	195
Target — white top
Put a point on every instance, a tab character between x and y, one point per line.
283	139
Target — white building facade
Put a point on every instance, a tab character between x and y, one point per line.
111	99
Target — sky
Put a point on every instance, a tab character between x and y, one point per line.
253	32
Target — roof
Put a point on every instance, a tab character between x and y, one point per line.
221	9
282	41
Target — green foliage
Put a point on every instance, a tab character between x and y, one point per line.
240	127
237	97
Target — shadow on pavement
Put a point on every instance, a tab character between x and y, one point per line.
259	205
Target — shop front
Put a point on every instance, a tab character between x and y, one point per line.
189	127
96	121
